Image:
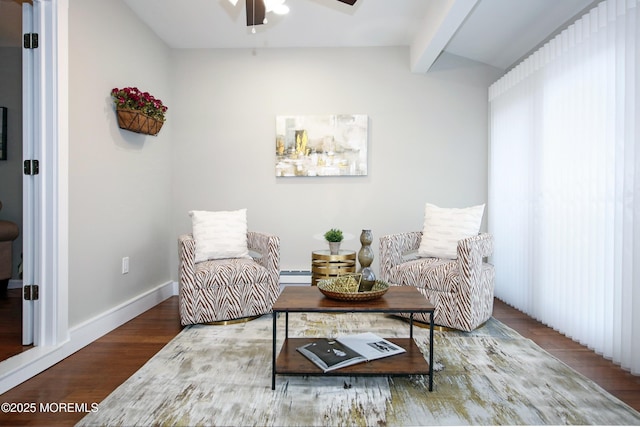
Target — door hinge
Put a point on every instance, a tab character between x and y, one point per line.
31	292
31	167
31	40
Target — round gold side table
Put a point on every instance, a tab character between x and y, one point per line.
325	266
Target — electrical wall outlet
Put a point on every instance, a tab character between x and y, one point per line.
125	265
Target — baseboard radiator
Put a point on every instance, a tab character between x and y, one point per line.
295	277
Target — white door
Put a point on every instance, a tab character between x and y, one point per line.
30	181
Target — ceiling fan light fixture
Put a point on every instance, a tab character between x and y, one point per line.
281	9
257	9
276	6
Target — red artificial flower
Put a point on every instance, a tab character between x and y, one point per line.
134	99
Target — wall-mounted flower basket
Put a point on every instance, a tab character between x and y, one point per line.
135	121
138	111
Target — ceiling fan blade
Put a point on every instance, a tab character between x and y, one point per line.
255	12
349	2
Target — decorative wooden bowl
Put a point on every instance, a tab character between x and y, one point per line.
327	287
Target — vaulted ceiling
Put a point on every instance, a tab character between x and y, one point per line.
495	32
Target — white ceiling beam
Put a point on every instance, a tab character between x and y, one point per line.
442	20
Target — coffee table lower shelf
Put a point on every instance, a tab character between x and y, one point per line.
412	362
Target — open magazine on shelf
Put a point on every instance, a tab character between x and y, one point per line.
330	354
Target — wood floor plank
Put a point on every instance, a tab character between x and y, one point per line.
605	373
90	374
11	325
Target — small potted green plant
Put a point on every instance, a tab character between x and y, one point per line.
334	237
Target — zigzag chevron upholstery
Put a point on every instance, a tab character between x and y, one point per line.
460	289
227	289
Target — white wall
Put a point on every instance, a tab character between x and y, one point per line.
119	197
427	140
130	194
11	169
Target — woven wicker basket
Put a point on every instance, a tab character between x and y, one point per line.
135	121
326	286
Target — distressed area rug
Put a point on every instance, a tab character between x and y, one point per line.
221	375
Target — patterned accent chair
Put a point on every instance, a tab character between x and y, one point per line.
460	289
229	289
9	231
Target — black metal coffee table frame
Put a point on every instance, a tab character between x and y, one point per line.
398	299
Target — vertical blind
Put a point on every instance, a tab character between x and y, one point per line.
564	182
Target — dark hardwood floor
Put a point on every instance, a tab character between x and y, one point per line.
93	372
89	375
11	325
606	374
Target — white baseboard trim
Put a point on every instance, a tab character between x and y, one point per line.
23	366
14	284
104	323
295	277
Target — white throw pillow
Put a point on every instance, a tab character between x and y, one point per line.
220	234
444	227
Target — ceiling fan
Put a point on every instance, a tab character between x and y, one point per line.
257	9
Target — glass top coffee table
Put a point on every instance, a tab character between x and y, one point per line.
398	299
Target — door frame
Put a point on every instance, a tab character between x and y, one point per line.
52	329
51	319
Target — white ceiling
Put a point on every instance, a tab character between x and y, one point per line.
495	32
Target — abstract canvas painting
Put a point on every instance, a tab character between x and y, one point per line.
321	145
